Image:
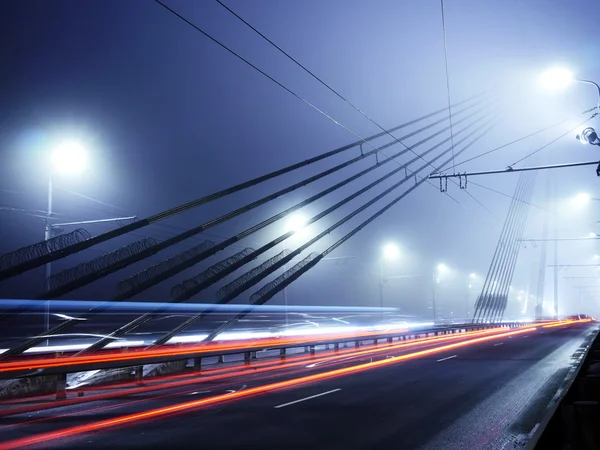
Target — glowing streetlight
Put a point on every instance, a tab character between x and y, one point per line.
560	78
472	275
69	157
391	251
582	199
556	78
296	222
439	270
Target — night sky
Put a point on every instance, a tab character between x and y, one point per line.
168	116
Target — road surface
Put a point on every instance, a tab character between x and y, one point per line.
475	395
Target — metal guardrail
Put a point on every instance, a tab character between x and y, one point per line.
573	421
198	353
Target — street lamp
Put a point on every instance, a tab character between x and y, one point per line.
439	270
470	281
389	252
297	223
582	199
560	78
67	158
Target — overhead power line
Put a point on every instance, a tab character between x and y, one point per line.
241	58
512	142
551	142
317	78
512	197
305	69
447	79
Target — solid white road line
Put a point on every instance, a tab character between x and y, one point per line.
499	343
449	357
308	398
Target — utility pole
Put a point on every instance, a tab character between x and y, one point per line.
51	230
285	297
555	259
433	281
381	287
539	303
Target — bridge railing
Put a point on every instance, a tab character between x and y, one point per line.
62	364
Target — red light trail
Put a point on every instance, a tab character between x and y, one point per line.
191	405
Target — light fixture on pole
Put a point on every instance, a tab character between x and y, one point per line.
470	281
581	199
297	223
439	270
588	136
68	158
389	252
558	78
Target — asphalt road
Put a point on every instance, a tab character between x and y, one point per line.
486	395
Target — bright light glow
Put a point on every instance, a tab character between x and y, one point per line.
579	136
442	268
391	251
581	199
592	234
556	78
296	222
69	157
596	256
472	275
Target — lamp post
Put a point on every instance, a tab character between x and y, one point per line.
297	223
68	158
470	280
439	270
389	252
560	78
